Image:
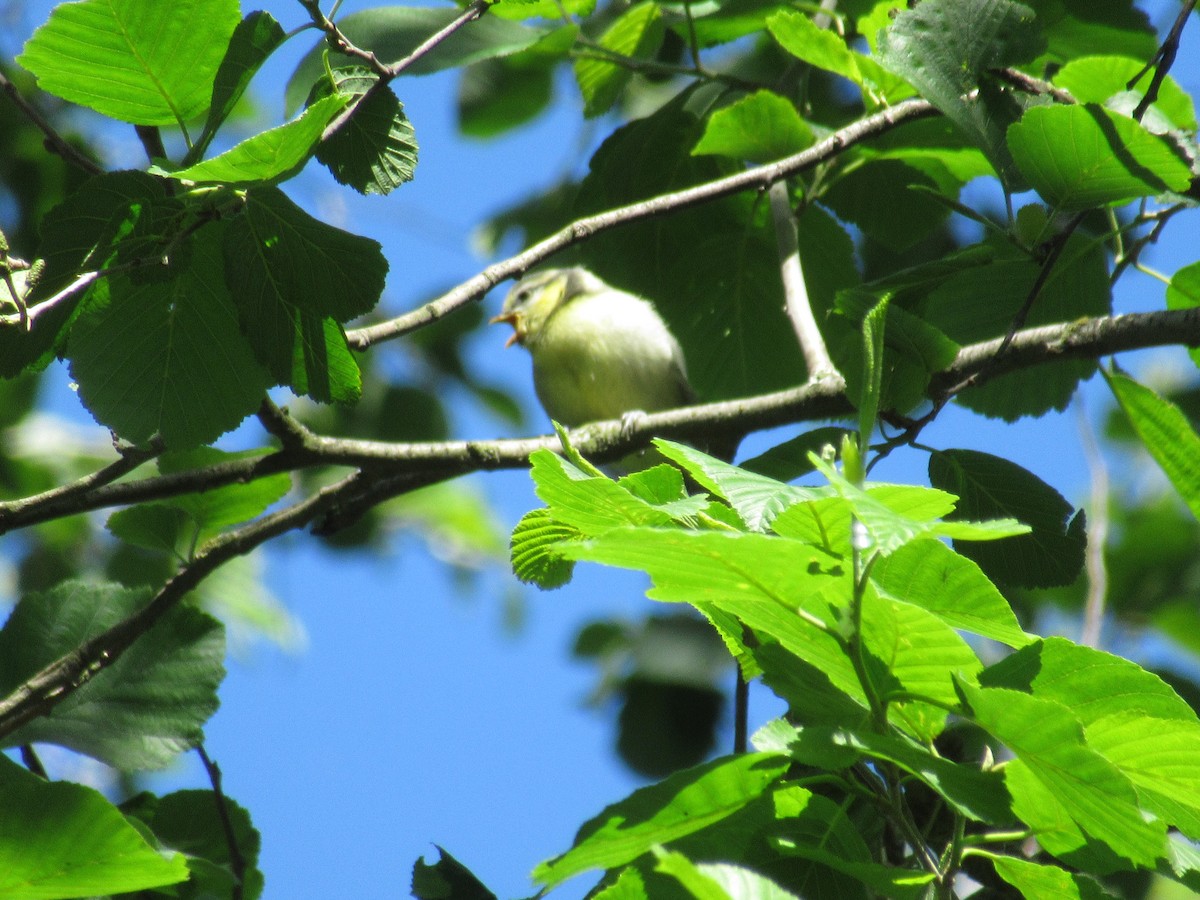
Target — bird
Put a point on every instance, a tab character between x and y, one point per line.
598	352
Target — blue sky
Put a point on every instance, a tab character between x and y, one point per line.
412	717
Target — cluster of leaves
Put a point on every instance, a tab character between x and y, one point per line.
909	754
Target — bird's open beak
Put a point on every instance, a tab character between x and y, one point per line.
514	320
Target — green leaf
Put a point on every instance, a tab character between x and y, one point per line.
534	559
789	460
590	503
1094	684
218	508
393	32
497	95
990	487
153	526
447	879
140	711
145	63
273	155
931	575
759	127
891	527
1158	756
911	652
59	839
946	48
166	357
820	47
1079	157
1097	79
788	590
677	806
636	33
1048	741
894	201
979	302
1184	293
872	377
756	498
256	37
189	821
718	881
295	279
978	795
376	151
111	219
1167	434
1036	881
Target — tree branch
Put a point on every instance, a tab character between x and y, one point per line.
397	467
56	141
758	178
799	309
39	694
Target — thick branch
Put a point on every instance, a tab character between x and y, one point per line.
758	178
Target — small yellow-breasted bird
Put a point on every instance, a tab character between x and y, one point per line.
598	352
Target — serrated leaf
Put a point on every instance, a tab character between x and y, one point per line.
789	460
295	280
145	63
111	218
534	560
872	379
1167	434
891	527
1184	293
759	127
256	37
272	155
677	806
167	357
898	202
447	879
393	32
932	576
590	503
1079	157
1048	741
636	33
990	487
153	526
978	302
1097	79
718	881
193	823
59	839
139	712
756	498
376	151
946	48
817	46
783	588
1037	881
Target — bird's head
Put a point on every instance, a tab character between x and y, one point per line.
538	296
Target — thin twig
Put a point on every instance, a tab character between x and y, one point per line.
237	862
791	273
385	72
1097	532
1023	81
1162	61
31	761
759	178
56	141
